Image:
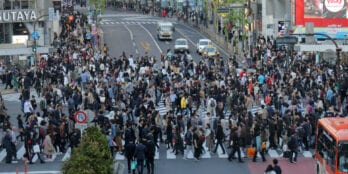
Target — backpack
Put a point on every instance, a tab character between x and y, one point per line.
212	103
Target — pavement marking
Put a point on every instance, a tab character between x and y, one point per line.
159	48
20	152
2	155
33	172
219	152
35	157
157	154
67	154
307	154
136	51
130	32
170	155
273	153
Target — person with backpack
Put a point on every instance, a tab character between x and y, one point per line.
188	143
211	107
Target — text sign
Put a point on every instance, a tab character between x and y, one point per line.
9	16
287	40
35	35
223	10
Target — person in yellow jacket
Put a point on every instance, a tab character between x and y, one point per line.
183	104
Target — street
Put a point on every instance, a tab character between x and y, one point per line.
135	34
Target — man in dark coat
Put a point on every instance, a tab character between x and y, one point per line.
150	154
140	150
129	154
8	146
293	146
235	146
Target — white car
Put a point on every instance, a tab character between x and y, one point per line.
201	44
181	45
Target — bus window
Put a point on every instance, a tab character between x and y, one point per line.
343	157
326	147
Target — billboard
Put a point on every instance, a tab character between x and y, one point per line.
322	13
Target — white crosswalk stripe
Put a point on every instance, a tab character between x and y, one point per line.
169	154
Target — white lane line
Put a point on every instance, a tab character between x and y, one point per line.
20	152
130	32
2	155
133	44
154	40
67	154
34	172
170	155
307	154
136	51
273	153
220	154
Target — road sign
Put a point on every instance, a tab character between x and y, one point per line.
287	40
80	117
223	10
35	35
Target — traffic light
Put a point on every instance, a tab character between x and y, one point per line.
34	48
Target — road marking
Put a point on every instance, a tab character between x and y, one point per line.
2	155
67	154
130	32
148	32
273	153
20	152
170	155
219	152
146	45
157	154
307	154
136	51
34	172
133	44
166	42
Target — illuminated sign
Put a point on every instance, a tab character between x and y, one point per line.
7	16
322	13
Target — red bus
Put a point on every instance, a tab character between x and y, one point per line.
331	151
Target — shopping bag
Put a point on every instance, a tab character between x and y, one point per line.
134	165
36	148
251	152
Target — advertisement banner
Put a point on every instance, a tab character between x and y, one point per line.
322	13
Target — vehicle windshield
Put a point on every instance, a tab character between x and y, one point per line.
180	42
210	49
203	43
166	28
343	157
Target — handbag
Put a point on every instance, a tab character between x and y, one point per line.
134	164
36	148
251	152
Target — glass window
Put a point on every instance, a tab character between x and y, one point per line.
343	157
326	147
203	43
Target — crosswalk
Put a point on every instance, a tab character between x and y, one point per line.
127	22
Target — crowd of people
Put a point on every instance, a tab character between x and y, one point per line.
80	76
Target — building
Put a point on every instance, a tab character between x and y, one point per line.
19	19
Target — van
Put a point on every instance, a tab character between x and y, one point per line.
165	30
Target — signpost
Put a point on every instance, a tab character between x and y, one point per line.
287	40
80	118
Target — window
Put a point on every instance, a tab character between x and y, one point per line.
343	157
326	147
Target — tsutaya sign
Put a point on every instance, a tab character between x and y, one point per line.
7	16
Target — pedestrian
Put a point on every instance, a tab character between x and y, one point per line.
150	154
293	147
188	142
140	151
235	145
269	170
196	140
220	137
129	151
7	142
276	167
48	147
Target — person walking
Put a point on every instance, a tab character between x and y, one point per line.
129	154
188	142
8	146
293	146
140	150
220	137
235	145
197	150
48	147
276	167
150	155
270	170
259	138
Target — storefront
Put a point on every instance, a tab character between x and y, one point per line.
19	19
